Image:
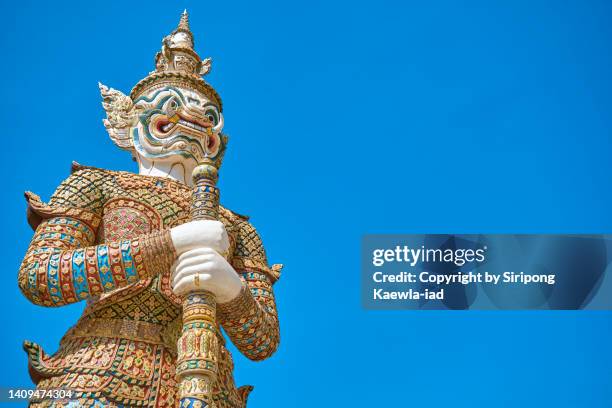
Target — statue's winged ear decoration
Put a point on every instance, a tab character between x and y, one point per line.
121	116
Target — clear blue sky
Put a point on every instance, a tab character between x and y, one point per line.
348	118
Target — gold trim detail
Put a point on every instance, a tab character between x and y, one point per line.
158	252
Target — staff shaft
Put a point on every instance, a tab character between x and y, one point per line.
197	348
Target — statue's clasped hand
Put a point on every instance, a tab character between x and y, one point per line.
200	265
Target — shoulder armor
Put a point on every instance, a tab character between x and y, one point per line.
75	167
232	215
37	211
244	217
78	196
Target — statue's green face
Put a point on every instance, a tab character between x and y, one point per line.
176	121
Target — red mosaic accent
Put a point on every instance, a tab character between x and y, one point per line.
65	277
116	264
92	273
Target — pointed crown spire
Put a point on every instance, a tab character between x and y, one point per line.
178	59
184	23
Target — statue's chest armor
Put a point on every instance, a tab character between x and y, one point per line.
137	205
126	218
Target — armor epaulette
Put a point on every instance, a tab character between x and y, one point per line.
244	217
76	166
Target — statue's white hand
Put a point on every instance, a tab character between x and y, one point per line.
205	269
197	234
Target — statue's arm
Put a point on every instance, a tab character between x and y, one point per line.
62	265
251	319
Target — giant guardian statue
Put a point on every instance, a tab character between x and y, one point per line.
162	266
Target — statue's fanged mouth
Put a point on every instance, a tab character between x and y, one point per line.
165	125
185	130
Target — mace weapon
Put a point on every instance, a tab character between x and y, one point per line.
198	348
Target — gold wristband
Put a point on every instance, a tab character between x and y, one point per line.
158	252
238	307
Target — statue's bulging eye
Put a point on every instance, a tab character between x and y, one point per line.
172	106
212	116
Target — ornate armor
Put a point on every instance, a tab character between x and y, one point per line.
103	237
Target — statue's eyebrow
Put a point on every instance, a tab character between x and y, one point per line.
209	103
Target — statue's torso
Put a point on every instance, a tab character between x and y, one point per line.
123	349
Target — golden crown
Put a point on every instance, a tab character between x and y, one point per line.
178	64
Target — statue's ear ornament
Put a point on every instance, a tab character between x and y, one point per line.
205	66
120	116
